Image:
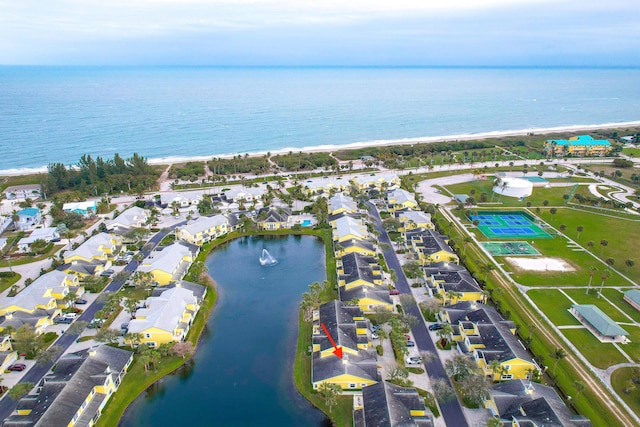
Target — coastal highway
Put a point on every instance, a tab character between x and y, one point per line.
35	374
451	410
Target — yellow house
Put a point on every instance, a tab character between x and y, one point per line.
341	203
47	293
76	392
102	248
367	298
318	186
484	335
400	199
412	220
347	228
523	403
582	145
429	247
355	246
347	326
453	283
203	229
7	354
386	404
168	316
168	264
273	218
379	181
358	270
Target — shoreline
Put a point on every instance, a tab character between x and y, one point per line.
170	160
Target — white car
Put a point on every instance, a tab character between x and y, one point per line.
413	360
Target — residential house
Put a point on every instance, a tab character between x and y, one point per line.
346	325
23	192
170	263
399	199
168	315
28	218
386	404
341	203
40	302
412	220
351	372
273	218
378	181
582	145
347	228
76	392
358	270
181	200
600	325
203	229
47	234
7	354
358	246
453	283
134	217
367	298
429	246
483	334
87	208
323	186
633	297
5	222
523	403
93	256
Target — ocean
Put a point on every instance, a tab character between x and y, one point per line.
57	114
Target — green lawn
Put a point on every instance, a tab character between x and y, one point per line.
633	152
600	355
598	227
618	379
633	348
581	298
555	305
27	259
617	297
7	282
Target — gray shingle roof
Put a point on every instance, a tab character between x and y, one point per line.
363	365
386	404
359	267
339	321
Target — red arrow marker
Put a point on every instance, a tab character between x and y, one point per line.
338	350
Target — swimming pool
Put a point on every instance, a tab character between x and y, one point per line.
306	223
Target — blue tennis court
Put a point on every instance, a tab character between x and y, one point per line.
511	225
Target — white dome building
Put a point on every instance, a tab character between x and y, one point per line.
513	187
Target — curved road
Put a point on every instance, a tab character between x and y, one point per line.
451	410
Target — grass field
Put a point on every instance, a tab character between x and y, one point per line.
633	348
555	305
633	152
581	298
599	227
617	297
618	379
600	355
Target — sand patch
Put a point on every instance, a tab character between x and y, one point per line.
540	264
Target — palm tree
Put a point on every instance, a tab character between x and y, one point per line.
465	241
629	263
603	243
579	229
592	272
558	354
606	273
497	369
486	268
445	333
580	387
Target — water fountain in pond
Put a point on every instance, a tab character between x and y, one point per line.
267	259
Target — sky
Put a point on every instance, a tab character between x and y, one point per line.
321	32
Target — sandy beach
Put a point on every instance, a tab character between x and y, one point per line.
375	143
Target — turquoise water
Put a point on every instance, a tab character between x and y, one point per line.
56	114
306	223
534	178
241	374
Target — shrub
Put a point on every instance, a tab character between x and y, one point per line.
380	350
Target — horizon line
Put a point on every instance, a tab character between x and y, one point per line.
337	66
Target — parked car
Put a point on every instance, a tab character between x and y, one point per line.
394	292
124	326
62	319
374	328
411	344
17	367
107	273
81	301
413	360
70	315
374	336
436	326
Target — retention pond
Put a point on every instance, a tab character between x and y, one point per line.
242	371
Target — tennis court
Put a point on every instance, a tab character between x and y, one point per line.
510	248
508	225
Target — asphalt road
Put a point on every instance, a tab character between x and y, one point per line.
35	374
451	410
